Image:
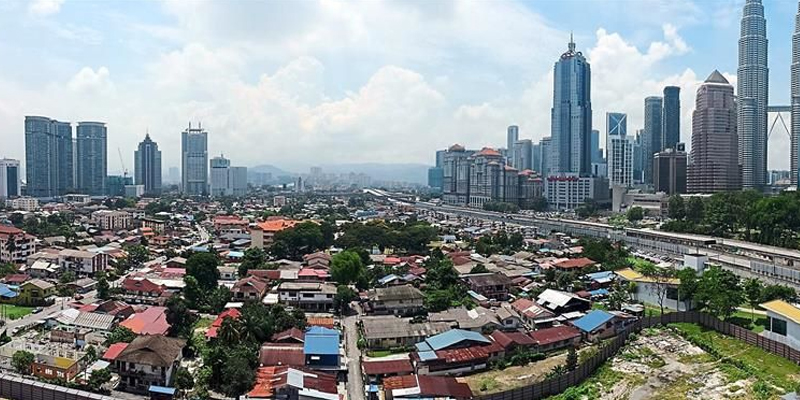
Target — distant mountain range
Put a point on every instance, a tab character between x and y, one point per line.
411	173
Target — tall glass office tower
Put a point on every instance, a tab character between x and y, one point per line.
91	157
512	136
48	157
194	161
795	151
571	115
147	165
651	141
671	118
753	95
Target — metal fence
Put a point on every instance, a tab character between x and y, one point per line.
558	384
16	387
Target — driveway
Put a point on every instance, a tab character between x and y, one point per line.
355	381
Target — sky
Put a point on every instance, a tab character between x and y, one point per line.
302	83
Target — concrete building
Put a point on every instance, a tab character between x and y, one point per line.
752	79
620	150
523	155
23	203
149	360
194	161
571	116
10	180
783	322
567	192
49	160
544	156
512	136
669	170
91	158
455	179
134	191
651	141
715	166
115	185
147	165
227	180
671	118
112	219
24	245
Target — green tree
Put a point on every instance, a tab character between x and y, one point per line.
67	277
676	207
293	243
98	378
179	317
218	298
203	267
688	286
719	292
753	293
347	268
661	280
21	361
102	286
183	379
120	334
91	353
344	295
238	376
778	292
195	296
479	269
254	258
137	254
694	209
572	359
635	214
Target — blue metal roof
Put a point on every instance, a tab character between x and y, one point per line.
235	254
592	320
600	275
6	292
321	341
388	278
452	337
599	292
162	390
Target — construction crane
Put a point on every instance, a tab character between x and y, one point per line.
124	170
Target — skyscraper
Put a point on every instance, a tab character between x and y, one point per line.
9	178
545	144
147	165
48	157
523	154
638	156
651	141
620	150
715	166
571	114
91	158
512	136
795	151
669	170
597	154
220	176
194	161
671	118
753	96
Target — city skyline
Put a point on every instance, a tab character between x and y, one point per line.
513	87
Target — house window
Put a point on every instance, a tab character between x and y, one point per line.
778	326
308	295
672	293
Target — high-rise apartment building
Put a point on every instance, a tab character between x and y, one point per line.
571	114
10	180
753	95
620	150
512	136
671	118
48	157
669	170
715	166
795	101
651	141
638	157
147	165
597	154
91	157
194	161
455	179
220	176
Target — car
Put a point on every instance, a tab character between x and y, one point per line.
78	296
37	310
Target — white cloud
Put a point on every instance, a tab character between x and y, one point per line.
87	80
45	7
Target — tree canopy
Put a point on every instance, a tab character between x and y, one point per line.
203	267
293	243
347	269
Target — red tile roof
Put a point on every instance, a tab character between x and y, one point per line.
555	334
326	322
152	321
272	378
229	313
289	335
575	263
430	386
288	354
141	285
16	278
389	367
276	225
258	284
113	351
313	273
506	339
488	151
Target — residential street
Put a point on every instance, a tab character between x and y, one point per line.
355	381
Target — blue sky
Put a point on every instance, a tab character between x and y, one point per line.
306	82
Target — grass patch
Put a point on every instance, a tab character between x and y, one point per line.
751	360
601	381
754	322
203	323
381	353
11	311
677	390
702	358
599	306
488	384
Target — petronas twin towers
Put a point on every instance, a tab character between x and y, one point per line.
753	96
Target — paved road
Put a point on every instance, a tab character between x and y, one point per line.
355	381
